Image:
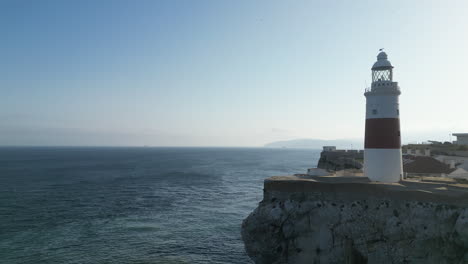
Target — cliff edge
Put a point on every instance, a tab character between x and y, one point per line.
353	220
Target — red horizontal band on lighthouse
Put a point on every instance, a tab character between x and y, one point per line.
382	133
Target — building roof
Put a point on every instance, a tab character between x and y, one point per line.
460	134
421	164
459	171
416	146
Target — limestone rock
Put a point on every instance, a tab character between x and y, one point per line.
326	220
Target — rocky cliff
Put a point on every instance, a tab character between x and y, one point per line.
352	220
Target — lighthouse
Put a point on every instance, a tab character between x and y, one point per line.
382	143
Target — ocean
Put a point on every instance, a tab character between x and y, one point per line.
133	205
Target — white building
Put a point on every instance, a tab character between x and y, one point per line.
462	138
329	148
417	152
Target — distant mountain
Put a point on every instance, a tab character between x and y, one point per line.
317	143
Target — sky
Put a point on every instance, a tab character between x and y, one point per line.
224	73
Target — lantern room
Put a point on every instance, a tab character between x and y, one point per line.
382	70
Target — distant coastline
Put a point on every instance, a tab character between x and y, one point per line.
317	143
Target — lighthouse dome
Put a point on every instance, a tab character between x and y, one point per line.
382	62
382	56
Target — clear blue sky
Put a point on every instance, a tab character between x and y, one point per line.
224	73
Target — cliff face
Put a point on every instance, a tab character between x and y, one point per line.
350	220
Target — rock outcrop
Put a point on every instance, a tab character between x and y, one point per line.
352	220
336	160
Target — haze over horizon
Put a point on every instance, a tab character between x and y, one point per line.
224	73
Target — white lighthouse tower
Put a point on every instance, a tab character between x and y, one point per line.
382	144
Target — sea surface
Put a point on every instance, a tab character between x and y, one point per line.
133	205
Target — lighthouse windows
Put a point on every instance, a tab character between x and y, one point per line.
381	75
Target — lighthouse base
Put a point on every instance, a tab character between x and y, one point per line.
383	165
